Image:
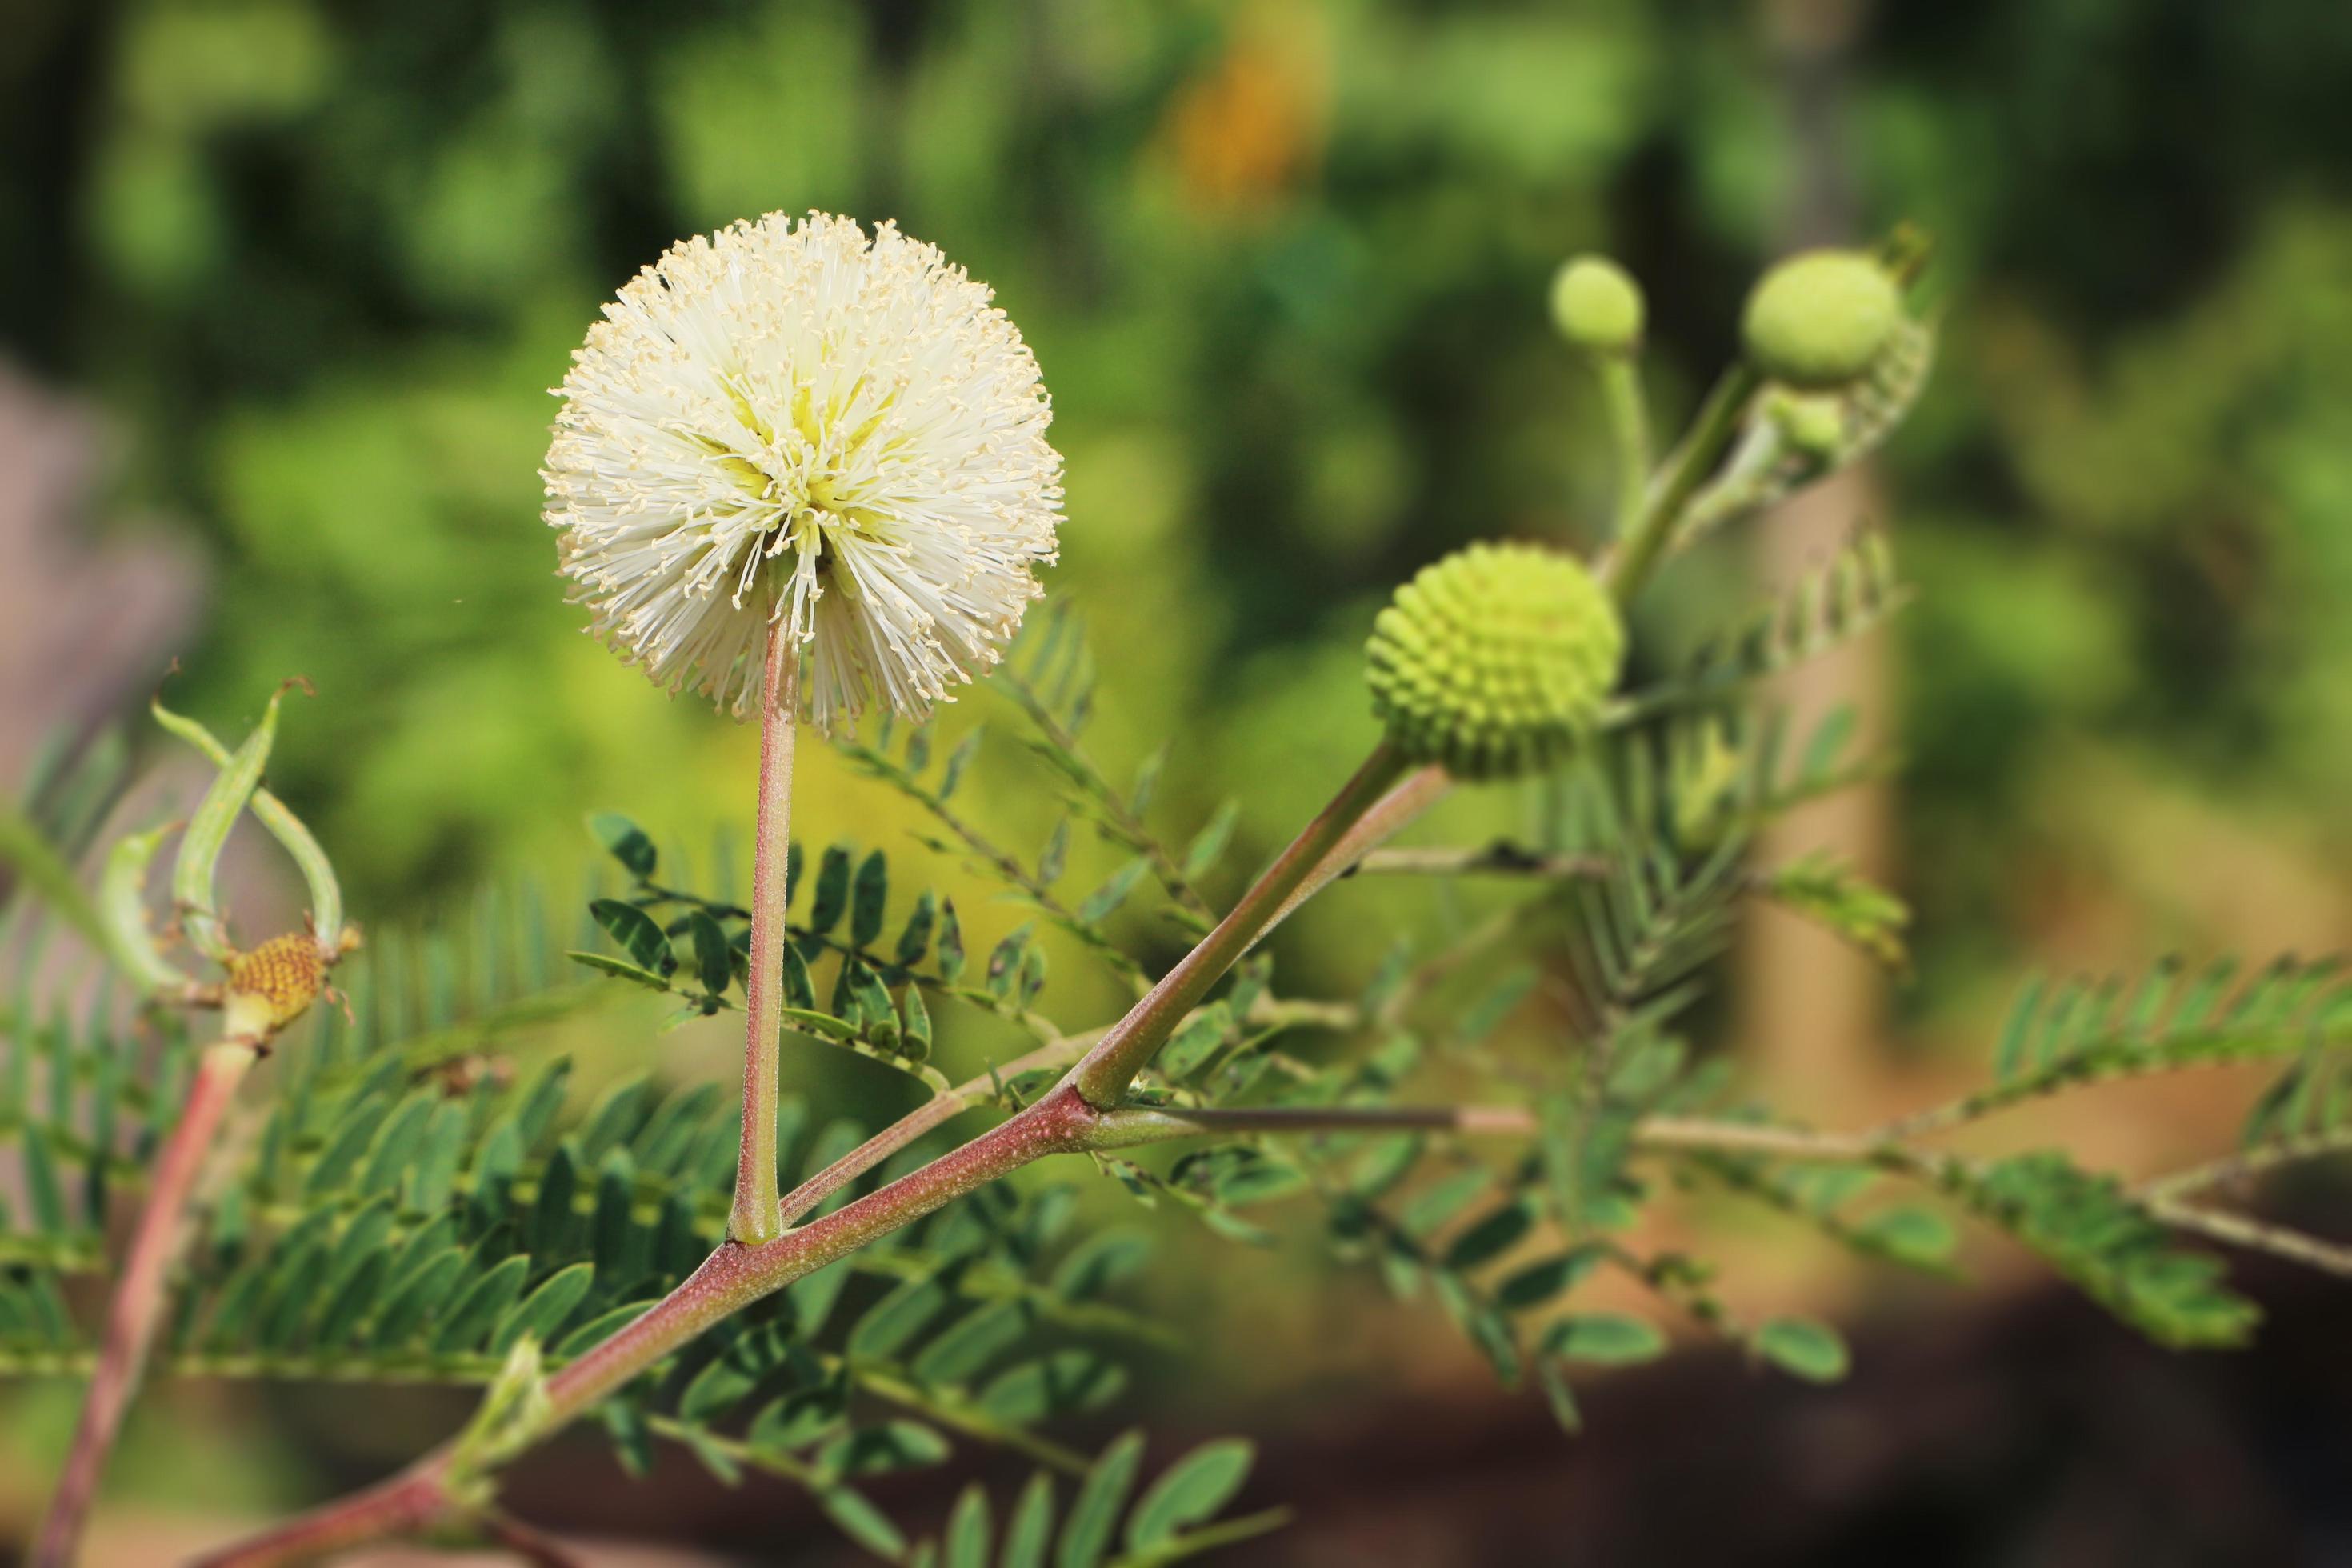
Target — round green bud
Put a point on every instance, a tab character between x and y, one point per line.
1597	306
1495	662
1811	423
1821	319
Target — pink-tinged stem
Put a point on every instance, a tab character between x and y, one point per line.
803	1199
1103	1075
1389	816
754	1217
731	1280
138	1303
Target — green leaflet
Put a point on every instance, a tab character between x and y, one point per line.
972	1341
639	935
895	1445
1093	1515
1031	1530
970	1530
468	1324
868	900
1064	1380
1610	1339
831	889
1194	1488
545	1311
1802	1348
2095	1234
891	1322
37	861
626	842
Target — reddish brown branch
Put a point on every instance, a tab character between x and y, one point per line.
138	1304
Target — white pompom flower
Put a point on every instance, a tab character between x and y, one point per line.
795	422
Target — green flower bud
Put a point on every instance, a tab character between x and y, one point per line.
1495	662
1597	306
1811	423
1820	319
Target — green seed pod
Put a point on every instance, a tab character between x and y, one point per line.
1821	319
1495	662
1597	306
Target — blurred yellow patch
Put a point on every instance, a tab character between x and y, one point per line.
1248	130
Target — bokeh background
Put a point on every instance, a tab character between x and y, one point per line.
283	284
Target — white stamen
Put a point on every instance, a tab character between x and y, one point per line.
779	389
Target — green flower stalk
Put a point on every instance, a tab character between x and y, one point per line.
1599	311
1495	662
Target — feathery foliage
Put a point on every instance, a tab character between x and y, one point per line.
428	1196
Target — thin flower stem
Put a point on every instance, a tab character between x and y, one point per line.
803	1199
1389	816
2255	1235
1102	1076
2082	1069
1643	545
1629	433
755	1216
1706	1135
2250	1161
1134	1125
138	1299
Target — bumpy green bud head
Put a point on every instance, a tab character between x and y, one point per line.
1597	306
1495	662
1811	423
1820	319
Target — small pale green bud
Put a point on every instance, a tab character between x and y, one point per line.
1811	423
1495	662
1597	306
1821	317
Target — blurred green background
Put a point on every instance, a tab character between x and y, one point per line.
317	263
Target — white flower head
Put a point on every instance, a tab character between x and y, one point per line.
796	423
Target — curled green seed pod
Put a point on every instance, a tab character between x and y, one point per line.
1821	319
122	904
1597	306
1493	661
